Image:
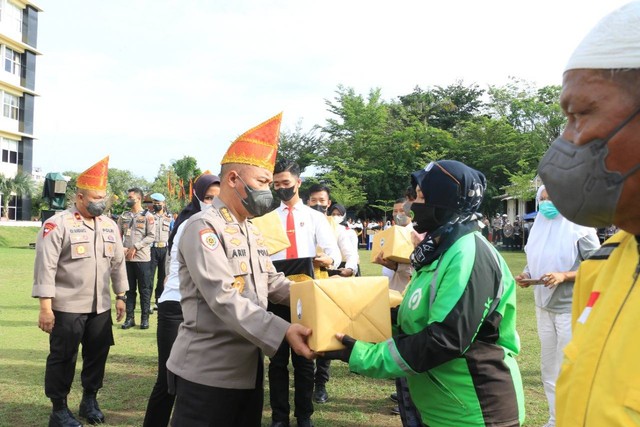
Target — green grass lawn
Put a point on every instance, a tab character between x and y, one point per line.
132	365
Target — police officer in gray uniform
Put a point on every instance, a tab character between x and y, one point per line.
78	253
137	227
159	248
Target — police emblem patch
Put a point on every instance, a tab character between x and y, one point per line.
47	228
209	239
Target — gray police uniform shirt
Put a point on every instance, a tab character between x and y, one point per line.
138	231
163	225
76	259
226	277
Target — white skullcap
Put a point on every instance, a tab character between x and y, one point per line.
613	43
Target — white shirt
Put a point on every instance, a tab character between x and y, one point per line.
348	245
312	230
171	290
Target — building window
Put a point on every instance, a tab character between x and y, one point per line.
11	106
12	61
14	16
9	151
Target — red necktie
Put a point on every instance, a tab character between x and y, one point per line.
292	251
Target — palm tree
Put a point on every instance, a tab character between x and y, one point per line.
21	184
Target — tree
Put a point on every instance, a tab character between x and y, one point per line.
441	107
346	189
20	185
186	170
300	147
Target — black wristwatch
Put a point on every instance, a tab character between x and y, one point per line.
122	297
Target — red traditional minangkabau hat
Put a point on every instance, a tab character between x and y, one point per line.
94	178
257	146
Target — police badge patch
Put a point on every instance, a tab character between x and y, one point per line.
209	239
47	228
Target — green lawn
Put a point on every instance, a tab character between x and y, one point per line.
354	400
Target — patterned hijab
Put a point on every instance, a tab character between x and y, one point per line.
457	188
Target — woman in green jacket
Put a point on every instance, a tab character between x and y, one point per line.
455	334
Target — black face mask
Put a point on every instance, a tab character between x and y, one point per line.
257	202
286	194
157	207
320	208
428	218
130	203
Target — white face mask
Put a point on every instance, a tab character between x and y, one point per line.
203	206
338	218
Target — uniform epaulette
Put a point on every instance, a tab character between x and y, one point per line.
604	252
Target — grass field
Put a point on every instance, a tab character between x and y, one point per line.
132	365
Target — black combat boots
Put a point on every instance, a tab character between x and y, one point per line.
89	408
61	416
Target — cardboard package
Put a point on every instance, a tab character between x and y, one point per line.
356	306
394	242
273	233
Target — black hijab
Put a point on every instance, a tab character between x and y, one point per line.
200	188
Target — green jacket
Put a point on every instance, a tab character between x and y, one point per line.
455	339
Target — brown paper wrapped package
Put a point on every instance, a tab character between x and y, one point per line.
273	233
356	306
394	242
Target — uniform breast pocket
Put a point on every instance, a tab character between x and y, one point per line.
166	225
80	247
109	242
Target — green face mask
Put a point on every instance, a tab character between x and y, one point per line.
548	209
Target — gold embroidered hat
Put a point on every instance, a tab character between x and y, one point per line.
94	178
258	146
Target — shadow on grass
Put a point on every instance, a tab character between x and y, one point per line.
18	323
22	355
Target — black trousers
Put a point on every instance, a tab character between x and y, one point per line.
199	405
161	401
94	332
279	378
138	277
409	414
158	260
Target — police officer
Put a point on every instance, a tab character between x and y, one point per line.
159	248
137	228
78	252
496	224
226	277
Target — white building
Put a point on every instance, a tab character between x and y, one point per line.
18	51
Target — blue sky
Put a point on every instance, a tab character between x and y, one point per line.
150	81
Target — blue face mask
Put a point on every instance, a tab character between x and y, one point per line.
548	209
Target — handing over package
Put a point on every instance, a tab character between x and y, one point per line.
356	306
394	242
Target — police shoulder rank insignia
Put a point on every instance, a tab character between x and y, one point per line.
226	214
209	239
47	228
235	242
238	283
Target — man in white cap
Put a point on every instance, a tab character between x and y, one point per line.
159	246
592	173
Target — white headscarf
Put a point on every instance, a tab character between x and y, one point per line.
613	43
552	247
